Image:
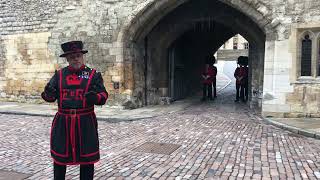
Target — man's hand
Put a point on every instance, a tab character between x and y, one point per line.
91	98
50	91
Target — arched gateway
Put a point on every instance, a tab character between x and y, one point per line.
151	50
164	42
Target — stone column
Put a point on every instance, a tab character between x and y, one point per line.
278	62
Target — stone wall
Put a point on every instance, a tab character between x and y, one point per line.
231	54
113	31
304	101
27	66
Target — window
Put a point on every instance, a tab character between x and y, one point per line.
235	42
306	55
306	52
246	45
235	45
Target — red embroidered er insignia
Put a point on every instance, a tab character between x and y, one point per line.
73	80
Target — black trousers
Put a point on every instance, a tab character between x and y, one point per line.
242	92
238	91
207	91
214	85
86	172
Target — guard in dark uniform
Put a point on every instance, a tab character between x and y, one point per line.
74	136
214	77
208	75
245	79
241	75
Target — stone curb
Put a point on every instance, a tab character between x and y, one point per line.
99	118
293	129
23	113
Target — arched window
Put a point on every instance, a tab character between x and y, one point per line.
306	55
235	42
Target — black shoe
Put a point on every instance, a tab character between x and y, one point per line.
237	100
203	99
211	99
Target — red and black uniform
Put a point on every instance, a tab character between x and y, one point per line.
74	136
241	75
210	72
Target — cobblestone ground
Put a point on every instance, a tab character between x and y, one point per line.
219	140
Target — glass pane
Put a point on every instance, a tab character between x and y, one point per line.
306	56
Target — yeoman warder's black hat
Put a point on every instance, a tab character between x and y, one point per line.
72	47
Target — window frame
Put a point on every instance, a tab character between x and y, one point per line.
314	72
297	31
246	45
311	38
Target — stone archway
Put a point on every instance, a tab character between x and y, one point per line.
136	47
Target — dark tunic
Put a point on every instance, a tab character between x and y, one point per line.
210	71
243	73
74	135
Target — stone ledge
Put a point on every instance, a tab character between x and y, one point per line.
293	129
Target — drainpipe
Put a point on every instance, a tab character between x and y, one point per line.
145	70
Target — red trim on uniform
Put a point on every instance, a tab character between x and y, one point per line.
80	138
74	112
67	138
99	98
90	154
80	110
67	142
94	153
66	114
75	163
104	95
53	125
61	88
57	154
73	137
89	81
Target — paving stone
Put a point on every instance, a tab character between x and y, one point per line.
11	175
217	139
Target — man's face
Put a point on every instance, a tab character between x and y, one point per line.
75	60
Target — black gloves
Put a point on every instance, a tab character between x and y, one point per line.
50	91
91	98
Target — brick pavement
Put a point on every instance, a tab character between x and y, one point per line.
219	140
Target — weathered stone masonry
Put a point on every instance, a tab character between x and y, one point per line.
116	33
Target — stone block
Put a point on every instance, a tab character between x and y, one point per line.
296	108
115	51
116	78
272	114
276	108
